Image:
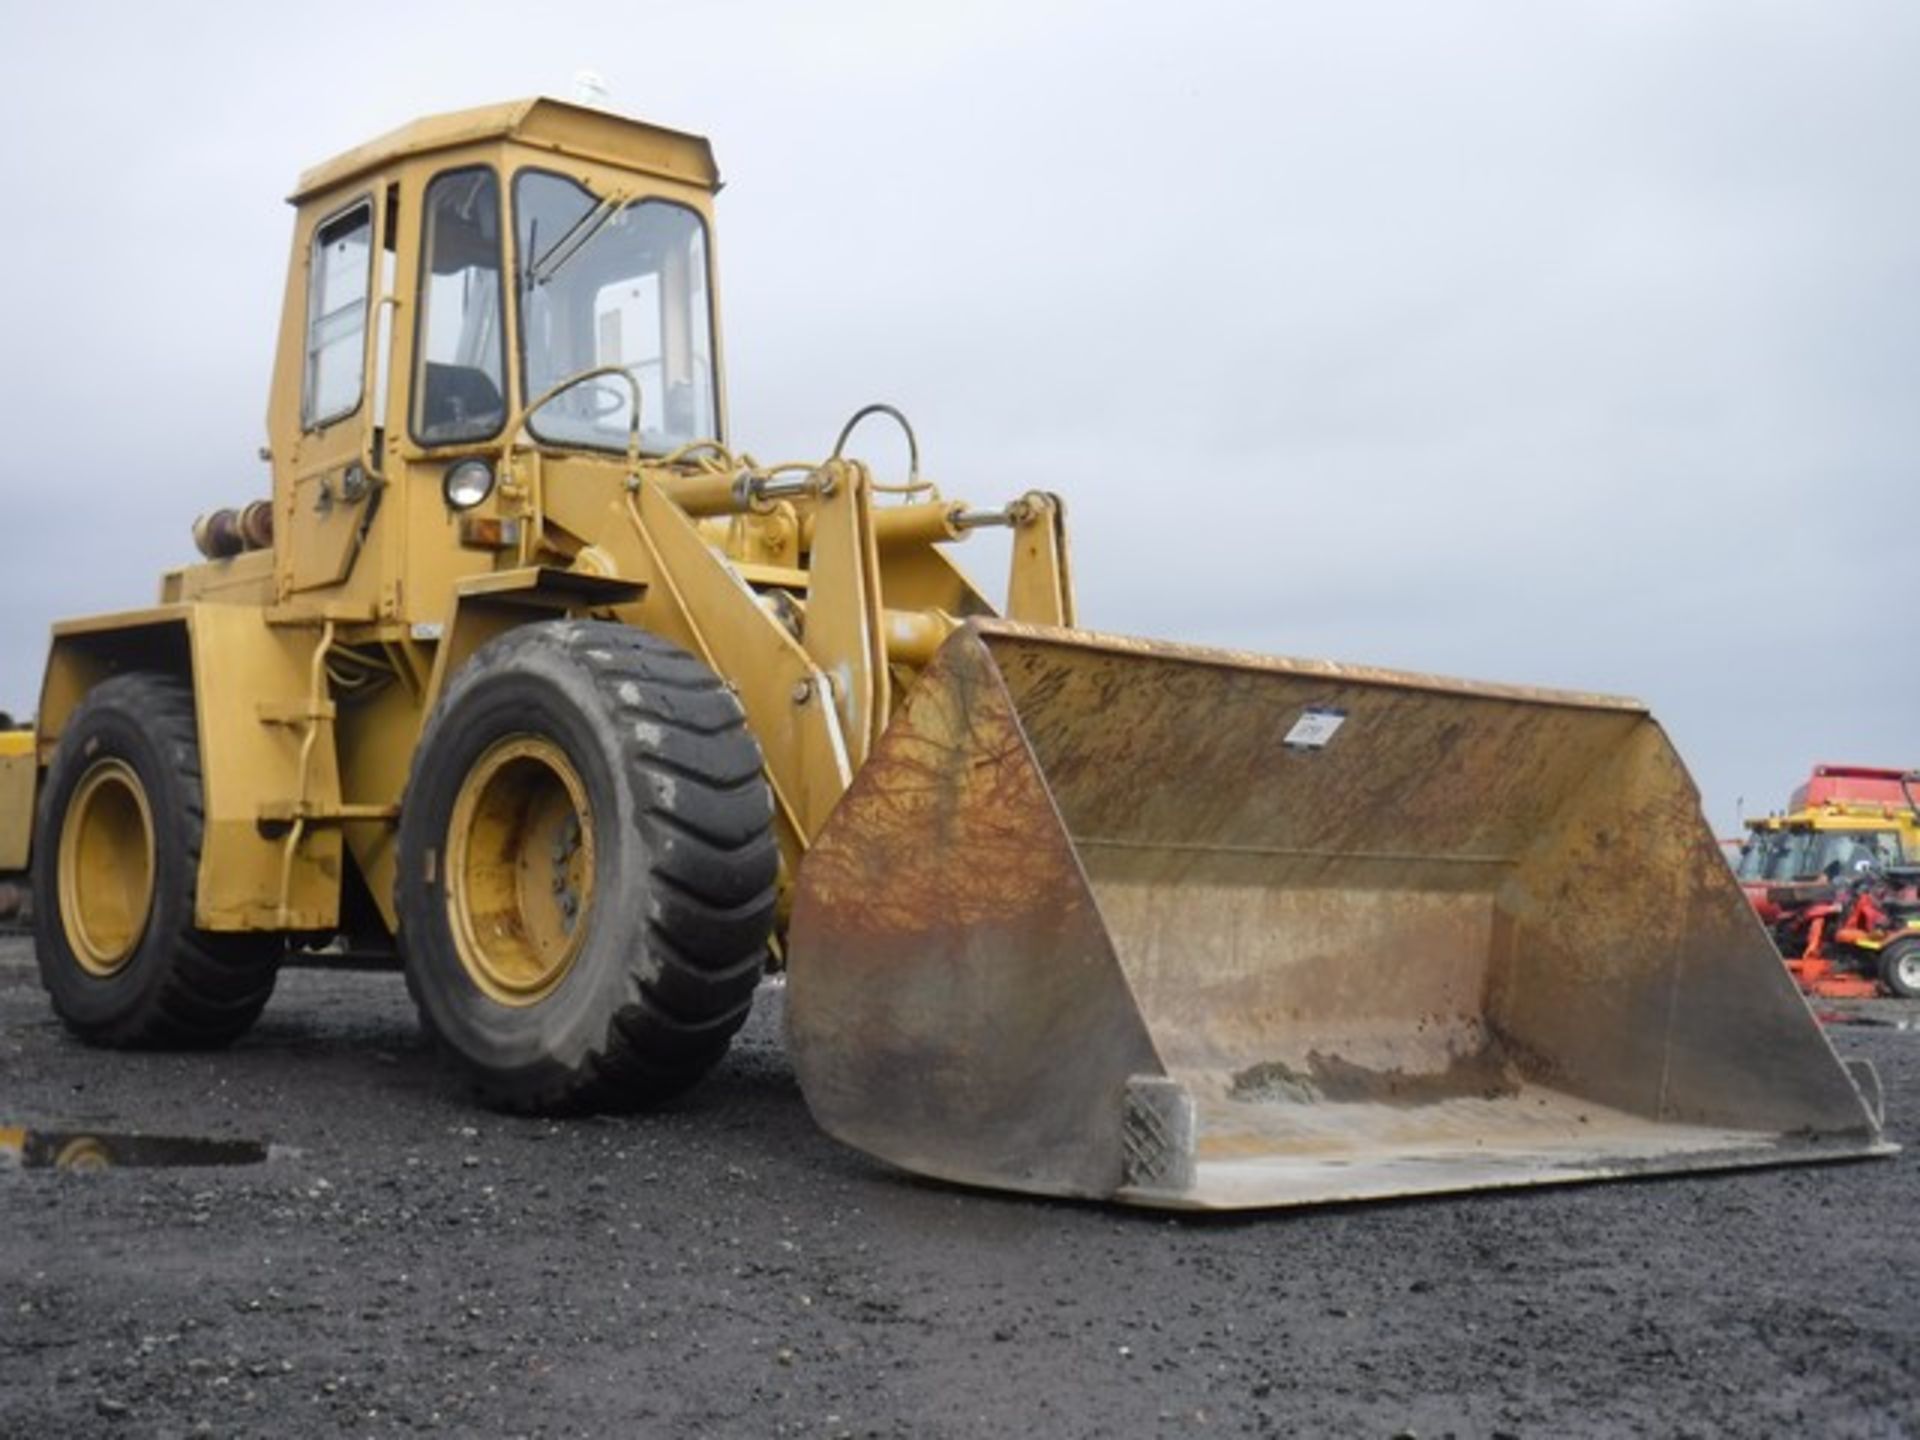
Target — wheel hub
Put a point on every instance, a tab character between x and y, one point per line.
1906	967
106	865
520	869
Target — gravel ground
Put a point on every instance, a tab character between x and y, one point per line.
404	1261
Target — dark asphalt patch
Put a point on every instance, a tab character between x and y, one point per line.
719	1267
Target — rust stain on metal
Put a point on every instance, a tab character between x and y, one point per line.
959	781
1393	962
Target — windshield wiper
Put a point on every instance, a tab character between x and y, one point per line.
574	239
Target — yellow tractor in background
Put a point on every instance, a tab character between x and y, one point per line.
1841	814
524	668
17	769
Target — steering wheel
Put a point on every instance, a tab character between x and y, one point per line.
628	398
599	401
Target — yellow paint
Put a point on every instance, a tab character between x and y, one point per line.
519	869
542	124
106	867
1849	818
251	681
1040	587
17	766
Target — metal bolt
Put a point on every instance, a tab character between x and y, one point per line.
802	692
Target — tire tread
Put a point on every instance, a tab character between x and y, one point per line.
216	985
705	816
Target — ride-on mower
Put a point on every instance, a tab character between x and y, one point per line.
1853	935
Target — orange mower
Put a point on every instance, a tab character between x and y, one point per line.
1852	937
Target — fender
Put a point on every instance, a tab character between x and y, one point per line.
487	606
381	736
267	753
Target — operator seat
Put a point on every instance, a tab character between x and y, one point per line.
461	403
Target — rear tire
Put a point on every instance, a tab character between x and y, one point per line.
586	869
117	860
1900	969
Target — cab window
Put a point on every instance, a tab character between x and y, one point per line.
339	276
604	281
459	388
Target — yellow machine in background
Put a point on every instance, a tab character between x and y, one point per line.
1802	844
16	817
523	664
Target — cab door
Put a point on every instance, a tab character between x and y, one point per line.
329	501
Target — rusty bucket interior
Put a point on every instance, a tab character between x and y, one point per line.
1185	928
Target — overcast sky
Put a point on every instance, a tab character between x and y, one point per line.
1558	343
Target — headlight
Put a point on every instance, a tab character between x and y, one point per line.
467	483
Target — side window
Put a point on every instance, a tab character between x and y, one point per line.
458	388
337	284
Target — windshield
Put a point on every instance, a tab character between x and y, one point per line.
606	283
1755	854
1781	855
1846	852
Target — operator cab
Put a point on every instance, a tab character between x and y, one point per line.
1801	852
534	272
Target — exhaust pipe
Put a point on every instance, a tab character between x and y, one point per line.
229	532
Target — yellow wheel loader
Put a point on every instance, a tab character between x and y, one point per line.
524	668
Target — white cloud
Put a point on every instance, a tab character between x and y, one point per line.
1569	344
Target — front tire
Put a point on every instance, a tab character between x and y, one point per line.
586	869
117	860
1900	969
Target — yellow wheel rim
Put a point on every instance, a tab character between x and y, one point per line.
106	867
520	869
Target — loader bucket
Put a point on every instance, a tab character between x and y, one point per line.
1192	929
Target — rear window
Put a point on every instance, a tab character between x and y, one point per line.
339	278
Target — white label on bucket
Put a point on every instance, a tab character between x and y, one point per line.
1314	728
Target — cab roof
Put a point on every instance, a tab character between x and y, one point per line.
542	122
